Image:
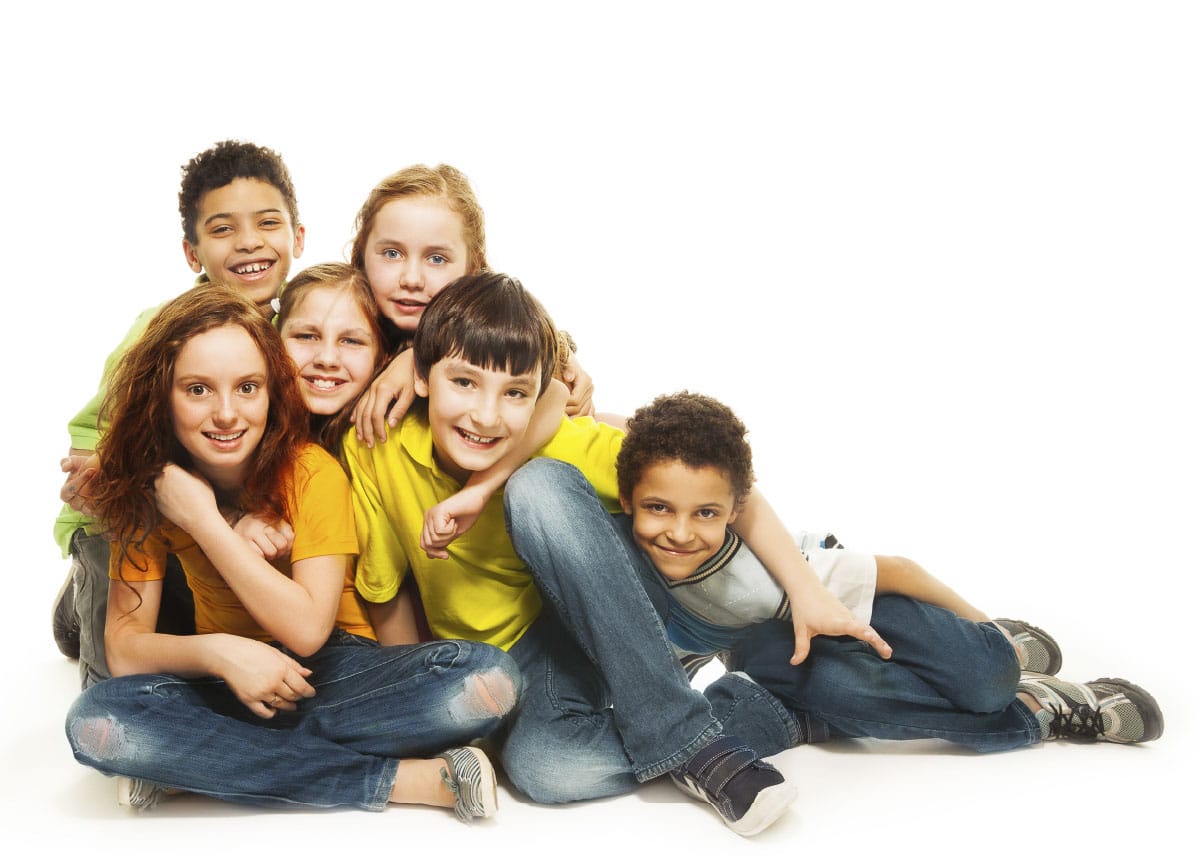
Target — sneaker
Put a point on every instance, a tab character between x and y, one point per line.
64	622
470	777
140	794
1109	709
749	794
1036	648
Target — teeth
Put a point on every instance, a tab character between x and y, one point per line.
475	438
253	267
224	438
324	383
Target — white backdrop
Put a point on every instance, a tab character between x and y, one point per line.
940	257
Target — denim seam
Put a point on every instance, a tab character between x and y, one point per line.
679	758
787	717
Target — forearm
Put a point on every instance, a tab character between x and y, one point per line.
395	621
290	612
897	575
765	534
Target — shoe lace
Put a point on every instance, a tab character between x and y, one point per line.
1081	720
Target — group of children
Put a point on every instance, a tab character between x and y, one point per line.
402	531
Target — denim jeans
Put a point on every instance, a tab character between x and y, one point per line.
606	703
948	678
373	706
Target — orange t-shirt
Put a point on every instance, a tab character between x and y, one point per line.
318	507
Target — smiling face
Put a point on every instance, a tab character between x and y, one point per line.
680	514
219	403
475	415
245	238
415	249
330	341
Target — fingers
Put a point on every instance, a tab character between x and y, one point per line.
872	638
800	653
403	401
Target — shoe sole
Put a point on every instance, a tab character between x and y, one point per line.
489	802
1152	716
768	807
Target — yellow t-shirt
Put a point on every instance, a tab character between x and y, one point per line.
483	592
318	506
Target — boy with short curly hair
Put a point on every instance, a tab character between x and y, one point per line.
241	226
684	471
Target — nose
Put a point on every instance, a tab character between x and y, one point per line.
486	412
327	354
679	531
223	409
249	239
410	274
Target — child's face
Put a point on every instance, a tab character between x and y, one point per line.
331	344
245	238
415	249
680	514
219	402
476	415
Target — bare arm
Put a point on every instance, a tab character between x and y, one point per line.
815	610
262	677
298	611
395	622
897	575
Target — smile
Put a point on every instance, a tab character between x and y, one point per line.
324	383
477	440
252	268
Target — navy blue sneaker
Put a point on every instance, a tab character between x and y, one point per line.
749	794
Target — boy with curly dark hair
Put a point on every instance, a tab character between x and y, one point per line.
683	473
241	226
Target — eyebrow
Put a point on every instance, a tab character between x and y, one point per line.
229	214
437	248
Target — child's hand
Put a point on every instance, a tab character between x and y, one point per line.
579	384
450	518
81	468
182	497
263	678
271	540
385	401
822	614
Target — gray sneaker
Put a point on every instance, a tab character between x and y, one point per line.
1110	709
140	794
1036	648
471	778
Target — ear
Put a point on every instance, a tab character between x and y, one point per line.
193	260
733	515
298	243
421	386
626	505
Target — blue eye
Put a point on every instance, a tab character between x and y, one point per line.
391	255
438	260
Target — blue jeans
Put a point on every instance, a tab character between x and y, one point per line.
948	678
373	706
606	703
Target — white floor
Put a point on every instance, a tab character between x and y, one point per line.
939	256
866	796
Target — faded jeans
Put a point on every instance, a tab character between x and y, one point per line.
373	706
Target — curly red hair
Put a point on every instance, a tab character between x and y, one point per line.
136	416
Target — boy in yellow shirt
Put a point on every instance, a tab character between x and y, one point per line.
606	704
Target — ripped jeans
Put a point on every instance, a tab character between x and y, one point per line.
373	706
